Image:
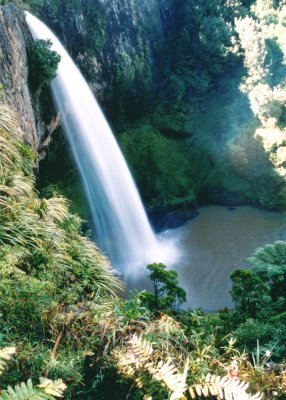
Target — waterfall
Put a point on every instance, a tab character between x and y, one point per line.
121	225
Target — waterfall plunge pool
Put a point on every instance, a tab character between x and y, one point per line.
214	244
203	251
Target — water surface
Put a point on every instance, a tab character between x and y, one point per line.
217	242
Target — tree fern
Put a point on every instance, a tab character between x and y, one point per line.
269	263
270	258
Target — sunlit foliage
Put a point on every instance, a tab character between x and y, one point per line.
46	265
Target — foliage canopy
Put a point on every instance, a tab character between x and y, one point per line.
43	63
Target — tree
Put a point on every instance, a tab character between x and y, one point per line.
167	292
247	291
43	63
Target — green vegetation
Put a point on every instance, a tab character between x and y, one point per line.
1	92
49	271
59	306
52	180
140	363
202	98
47	389
207	113
167	293
260	298
165	169
43	63
94	23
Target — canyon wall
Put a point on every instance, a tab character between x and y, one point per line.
14	41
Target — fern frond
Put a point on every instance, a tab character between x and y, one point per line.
47	390
23	391
5	355
222	388
54	388
169	374
140	358
125	364
141	348
270	259
167	324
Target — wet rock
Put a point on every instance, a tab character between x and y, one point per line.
14	39
169	217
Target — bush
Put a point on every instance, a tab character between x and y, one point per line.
167	292
252	330
168	172
43	63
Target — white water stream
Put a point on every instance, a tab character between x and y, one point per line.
122	228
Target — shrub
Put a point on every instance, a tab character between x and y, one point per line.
43	63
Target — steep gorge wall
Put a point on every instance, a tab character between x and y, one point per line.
14	39
103	34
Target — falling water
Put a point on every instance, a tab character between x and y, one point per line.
121	225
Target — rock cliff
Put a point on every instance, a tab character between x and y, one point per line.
14	39
104	34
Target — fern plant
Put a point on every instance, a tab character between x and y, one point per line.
139	361
269	263
47	389
270	258
5	355
222	388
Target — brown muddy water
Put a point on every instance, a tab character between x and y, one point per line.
214	244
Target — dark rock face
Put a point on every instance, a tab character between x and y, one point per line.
103	34
172	217
223	197
14	38
99	34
